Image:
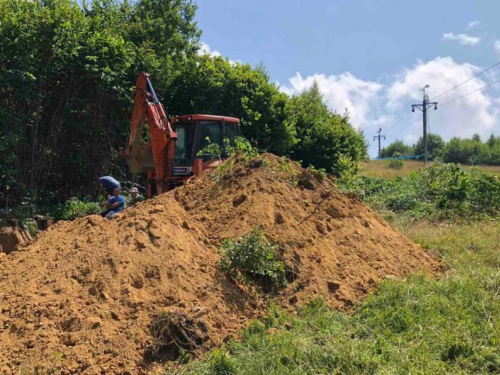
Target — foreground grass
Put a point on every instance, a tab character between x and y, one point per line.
424	325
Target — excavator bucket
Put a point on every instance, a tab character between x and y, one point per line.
140	158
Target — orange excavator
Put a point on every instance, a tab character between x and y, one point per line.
171	155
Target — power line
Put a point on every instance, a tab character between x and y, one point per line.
469	93
397	128
399	120
470	79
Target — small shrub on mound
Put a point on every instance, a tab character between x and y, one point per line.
252	258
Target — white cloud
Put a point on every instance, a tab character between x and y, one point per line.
205	50
383	120
475	113
496	45
464	39
341	92
474	24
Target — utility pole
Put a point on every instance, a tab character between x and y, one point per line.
426	104
379	138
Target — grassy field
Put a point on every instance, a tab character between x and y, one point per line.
380	168
443	324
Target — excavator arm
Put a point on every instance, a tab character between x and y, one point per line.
147	108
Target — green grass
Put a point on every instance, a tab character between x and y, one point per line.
441	191
424	325
380	168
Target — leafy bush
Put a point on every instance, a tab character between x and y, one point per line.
211	149
325	139
221	363
252	258
75	208
396	163
346	170
240	145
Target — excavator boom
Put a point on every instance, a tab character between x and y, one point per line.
147	108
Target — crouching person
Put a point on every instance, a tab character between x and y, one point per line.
135	196
114	204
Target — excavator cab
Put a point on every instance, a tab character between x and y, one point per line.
194	133
171	155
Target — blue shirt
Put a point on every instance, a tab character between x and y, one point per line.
109	183
120	199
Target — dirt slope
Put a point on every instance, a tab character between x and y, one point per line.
82	297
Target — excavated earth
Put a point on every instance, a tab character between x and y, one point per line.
125	296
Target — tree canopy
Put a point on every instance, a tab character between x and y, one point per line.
397	146
435	145
68	70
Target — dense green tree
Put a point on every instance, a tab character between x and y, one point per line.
67	71
435	145
397	146
324	137
472	151
217	86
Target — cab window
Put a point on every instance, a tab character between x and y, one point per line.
232	132
209	132
184	144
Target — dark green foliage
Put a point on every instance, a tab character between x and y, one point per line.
75	208
461	151
473	151
252	258
435	145
323	137
221	363
397	147
438	191
214	85
68	70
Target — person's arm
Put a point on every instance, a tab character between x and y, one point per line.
110	206
114	205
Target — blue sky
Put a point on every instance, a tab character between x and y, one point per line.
371	57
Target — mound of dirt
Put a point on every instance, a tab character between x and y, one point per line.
122	296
